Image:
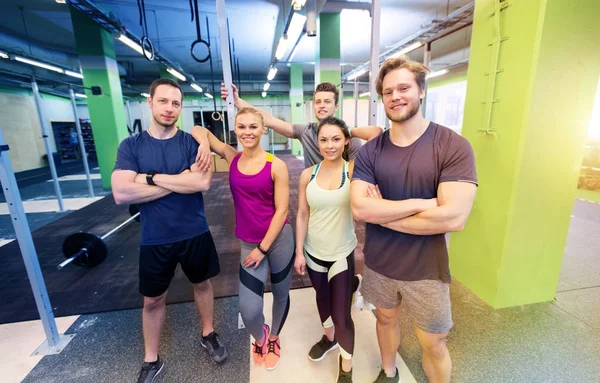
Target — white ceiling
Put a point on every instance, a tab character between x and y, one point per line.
253	26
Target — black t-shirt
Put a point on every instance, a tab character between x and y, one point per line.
439	155
174	217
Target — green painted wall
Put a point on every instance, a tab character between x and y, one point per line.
511	251
329	35
95	47
447	80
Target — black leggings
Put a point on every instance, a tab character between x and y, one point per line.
334	284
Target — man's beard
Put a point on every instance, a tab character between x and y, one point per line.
414	109
166	126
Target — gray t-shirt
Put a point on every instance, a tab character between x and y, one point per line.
307	135
439	155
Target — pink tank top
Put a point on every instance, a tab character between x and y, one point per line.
254	200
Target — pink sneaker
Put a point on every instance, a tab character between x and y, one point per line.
273	354
259	351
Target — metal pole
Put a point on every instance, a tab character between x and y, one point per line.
341	101
142	113
202	117
426	60
54	342
38	103
228	79
375	29
82	144
355	102
130	120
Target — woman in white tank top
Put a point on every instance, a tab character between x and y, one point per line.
325	242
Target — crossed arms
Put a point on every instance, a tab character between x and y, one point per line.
446	213
130	187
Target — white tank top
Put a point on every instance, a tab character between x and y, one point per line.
330	235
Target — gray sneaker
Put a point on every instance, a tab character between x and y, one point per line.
321	348
383	378
215	349
150	371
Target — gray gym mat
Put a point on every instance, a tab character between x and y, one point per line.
109	348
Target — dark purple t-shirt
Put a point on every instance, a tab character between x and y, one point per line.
415	171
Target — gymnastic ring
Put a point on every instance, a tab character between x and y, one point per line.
219	116
148	54
200	41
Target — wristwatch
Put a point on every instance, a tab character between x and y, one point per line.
259	247
149	177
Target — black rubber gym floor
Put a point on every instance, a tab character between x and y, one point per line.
113	285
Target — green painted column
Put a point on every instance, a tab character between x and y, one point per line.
164	74
296	102
328	51
526	118
95	47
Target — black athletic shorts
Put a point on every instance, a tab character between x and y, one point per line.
197	256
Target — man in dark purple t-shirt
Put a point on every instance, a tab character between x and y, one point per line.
412	184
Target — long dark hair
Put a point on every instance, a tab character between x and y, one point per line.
332	120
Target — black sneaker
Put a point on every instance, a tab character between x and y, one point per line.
343	376
150	371
321	348
383	378
215	349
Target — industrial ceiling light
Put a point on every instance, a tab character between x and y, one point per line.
408	49
80	95
40	64
298	4
366	94
61	1
197	87
266	87
176	74
208	95
4	55
281	47
131	44
272	73
357	74
437	73
145	95
73	74
264	94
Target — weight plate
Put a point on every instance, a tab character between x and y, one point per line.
96	249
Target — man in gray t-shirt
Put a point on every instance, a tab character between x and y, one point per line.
325	104
411	185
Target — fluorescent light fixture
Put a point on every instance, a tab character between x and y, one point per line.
37	63
73	74
298	4
357	74
80	95
408	49
365	94
272	73
296	25
208	95
281	48
266	87
130	43
145	95
197	87
61	1
264	94
437	73
4	55
176	74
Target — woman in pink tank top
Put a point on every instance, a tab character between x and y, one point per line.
259	185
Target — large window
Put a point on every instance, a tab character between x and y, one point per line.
446	105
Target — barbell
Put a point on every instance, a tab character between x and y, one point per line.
87	249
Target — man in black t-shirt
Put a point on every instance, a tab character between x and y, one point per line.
411	185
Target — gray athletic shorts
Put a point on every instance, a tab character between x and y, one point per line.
427	301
